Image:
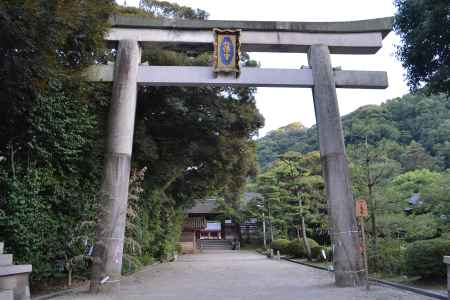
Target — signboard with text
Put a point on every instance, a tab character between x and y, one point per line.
361	208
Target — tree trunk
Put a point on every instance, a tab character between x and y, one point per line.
13	168
371	200
305	240
222	230
264	232
271	227
373	224
238	231
69	277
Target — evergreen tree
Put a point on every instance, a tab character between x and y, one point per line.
423	27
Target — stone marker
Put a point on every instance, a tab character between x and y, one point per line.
14	279
447	261
6	295
278	257
6	259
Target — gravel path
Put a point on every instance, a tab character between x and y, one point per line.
230	275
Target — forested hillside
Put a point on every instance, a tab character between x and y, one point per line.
399	155
414	124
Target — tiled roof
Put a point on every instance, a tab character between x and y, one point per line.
415	199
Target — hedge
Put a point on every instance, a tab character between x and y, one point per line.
424	258
280	245
388	258
296	248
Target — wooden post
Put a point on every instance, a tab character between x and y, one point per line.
361	213
347	258
366	266
270	225
264	232
111	215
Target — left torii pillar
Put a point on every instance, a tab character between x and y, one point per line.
112	210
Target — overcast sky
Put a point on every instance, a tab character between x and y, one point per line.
282	106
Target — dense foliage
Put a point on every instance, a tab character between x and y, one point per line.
49	124
167	9
280	245
418	125
293	137
399	159
189	142
297	249
424	29
293	200
424	258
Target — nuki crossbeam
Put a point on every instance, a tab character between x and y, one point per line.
257	77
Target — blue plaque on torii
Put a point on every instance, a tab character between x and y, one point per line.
227	51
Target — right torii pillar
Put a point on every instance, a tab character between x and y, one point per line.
346	241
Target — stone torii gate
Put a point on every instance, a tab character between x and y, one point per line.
318	39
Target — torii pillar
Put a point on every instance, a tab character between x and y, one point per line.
112	211
348	263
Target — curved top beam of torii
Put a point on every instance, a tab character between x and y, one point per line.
352	37
383	25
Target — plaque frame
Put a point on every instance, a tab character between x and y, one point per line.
217	66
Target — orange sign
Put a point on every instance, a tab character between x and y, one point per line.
361	208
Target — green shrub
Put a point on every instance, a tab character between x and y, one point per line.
179	248
147	259
424	258
280	245
388	259
316	252
296	248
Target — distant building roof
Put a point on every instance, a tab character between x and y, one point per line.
415	199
